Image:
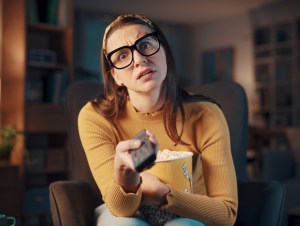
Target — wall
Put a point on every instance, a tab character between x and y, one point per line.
179	41
229	32
276	12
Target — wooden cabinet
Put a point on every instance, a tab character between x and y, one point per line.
37	67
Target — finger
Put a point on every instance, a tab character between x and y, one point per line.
153	140
127	145
152	137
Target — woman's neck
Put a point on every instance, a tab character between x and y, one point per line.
146	103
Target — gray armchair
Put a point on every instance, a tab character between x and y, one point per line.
284	165
73	202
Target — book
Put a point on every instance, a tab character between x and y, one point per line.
56	85
34	90
32	9
52	11
63	13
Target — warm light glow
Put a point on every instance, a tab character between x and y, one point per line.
14	53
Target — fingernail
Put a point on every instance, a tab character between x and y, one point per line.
136	143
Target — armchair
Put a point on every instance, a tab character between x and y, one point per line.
260	203
73	202
283	164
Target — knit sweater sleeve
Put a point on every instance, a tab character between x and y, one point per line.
99	141
219	206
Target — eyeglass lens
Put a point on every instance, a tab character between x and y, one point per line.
123	56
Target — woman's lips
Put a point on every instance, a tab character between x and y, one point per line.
147	73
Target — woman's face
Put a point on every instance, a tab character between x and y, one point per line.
146	73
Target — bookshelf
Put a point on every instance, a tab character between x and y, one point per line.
277	73
276	106
49	70
37	66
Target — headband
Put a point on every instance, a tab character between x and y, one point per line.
119	19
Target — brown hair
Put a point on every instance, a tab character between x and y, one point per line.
114	97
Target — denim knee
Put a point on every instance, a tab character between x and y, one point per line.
104	218
183	222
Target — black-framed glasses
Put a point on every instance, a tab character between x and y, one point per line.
122	57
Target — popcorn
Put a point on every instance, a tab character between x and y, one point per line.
167	154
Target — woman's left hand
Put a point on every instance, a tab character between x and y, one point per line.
153	190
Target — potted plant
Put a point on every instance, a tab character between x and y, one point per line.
8	136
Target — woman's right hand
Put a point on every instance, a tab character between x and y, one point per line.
124	171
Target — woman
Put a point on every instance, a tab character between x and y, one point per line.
141	91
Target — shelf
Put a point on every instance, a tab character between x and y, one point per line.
283	45
266	60
283	83
50	66
45	118
47	27
262	48
282	58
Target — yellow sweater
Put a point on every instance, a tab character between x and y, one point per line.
214	201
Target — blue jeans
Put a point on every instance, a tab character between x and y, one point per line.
105	218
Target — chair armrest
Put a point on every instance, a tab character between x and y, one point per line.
72	203
261	203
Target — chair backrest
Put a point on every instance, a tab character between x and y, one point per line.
78	94
232	98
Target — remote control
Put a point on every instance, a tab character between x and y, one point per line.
145	155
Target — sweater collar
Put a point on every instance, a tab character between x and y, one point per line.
133	113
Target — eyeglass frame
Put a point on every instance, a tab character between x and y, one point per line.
133	47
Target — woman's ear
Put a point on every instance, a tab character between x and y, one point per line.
117	80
